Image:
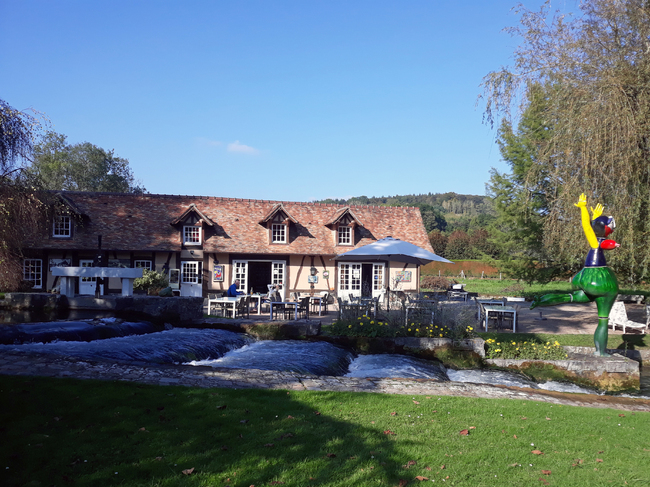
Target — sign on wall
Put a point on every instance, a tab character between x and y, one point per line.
217	275
403	276
60	263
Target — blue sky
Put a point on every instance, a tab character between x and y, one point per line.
281	100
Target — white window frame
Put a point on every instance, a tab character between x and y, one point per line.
377	278
190	272
240	273
344	235
349	280
192	235
145	264
33	272
62	226
278	233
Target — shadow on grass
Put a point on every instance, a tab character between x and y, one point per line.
66	431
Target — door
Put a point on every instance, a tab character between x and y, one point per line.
87	285
191	284
277	276
349	281
377	279
240	271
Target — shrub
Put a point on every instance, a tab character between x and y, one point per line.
436	283
530	349
150	280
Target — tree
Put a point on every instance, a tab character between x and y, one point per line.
432	218
458	246
438	241
21	208
521	197
596	72
81	167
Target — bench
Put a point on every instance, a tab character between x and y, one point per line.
69	274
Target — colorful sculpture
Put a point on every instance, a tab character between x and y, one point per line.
596	281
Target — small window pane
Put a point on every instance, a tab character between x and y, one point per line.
345	236
33	272
62	226
192	235
278	233
145	264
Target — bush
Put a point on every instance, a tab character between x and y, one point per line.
150	280
436	283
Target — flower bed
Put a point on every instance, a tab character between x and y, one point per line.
529	349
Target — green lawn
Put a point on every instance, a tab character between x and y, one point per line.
511	287
68	432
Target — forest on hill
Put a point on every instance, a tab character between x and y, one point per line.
458	225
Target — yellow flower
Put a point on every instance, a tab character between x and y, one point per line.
441	335
372	322
349	326
417	329
409	329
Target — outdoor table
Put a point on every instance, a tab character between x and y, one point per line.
295	306
490	302
457	294
259	297
500	311
320	303
224	302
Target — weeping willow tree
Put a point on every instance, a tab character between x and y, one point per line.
21	206
595	68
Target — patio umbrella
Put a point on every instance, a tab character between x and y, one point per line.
391	249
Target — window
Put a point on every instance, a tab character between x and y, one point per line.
62	226
190	272
345	235
145	264
192	235
33	272
278	233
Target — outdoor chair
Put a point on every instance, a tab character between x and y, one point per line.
618	317
324	297
494	319
303	307
241	308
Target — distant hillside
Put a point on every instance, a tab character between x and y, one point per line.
445	212
446	203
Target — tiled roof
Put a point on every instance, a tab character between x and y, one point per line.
143	222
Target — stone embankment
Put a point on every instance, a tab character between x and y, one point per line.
23	364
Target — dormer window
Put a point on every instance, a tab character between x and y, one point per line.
62	227
277	222
344	226
191	235
278	233
345	235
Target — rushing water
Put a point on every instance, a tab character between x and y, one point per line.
104	339
315	358
84	331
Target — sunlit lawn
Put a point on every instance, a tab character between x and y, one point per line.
511	287
68	432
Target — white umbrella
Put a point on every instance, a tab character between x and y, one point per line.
391	249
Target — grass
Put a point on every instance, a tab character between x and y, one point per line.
512	287
70	432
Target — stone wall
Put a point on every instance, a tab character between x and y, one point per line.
174	310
